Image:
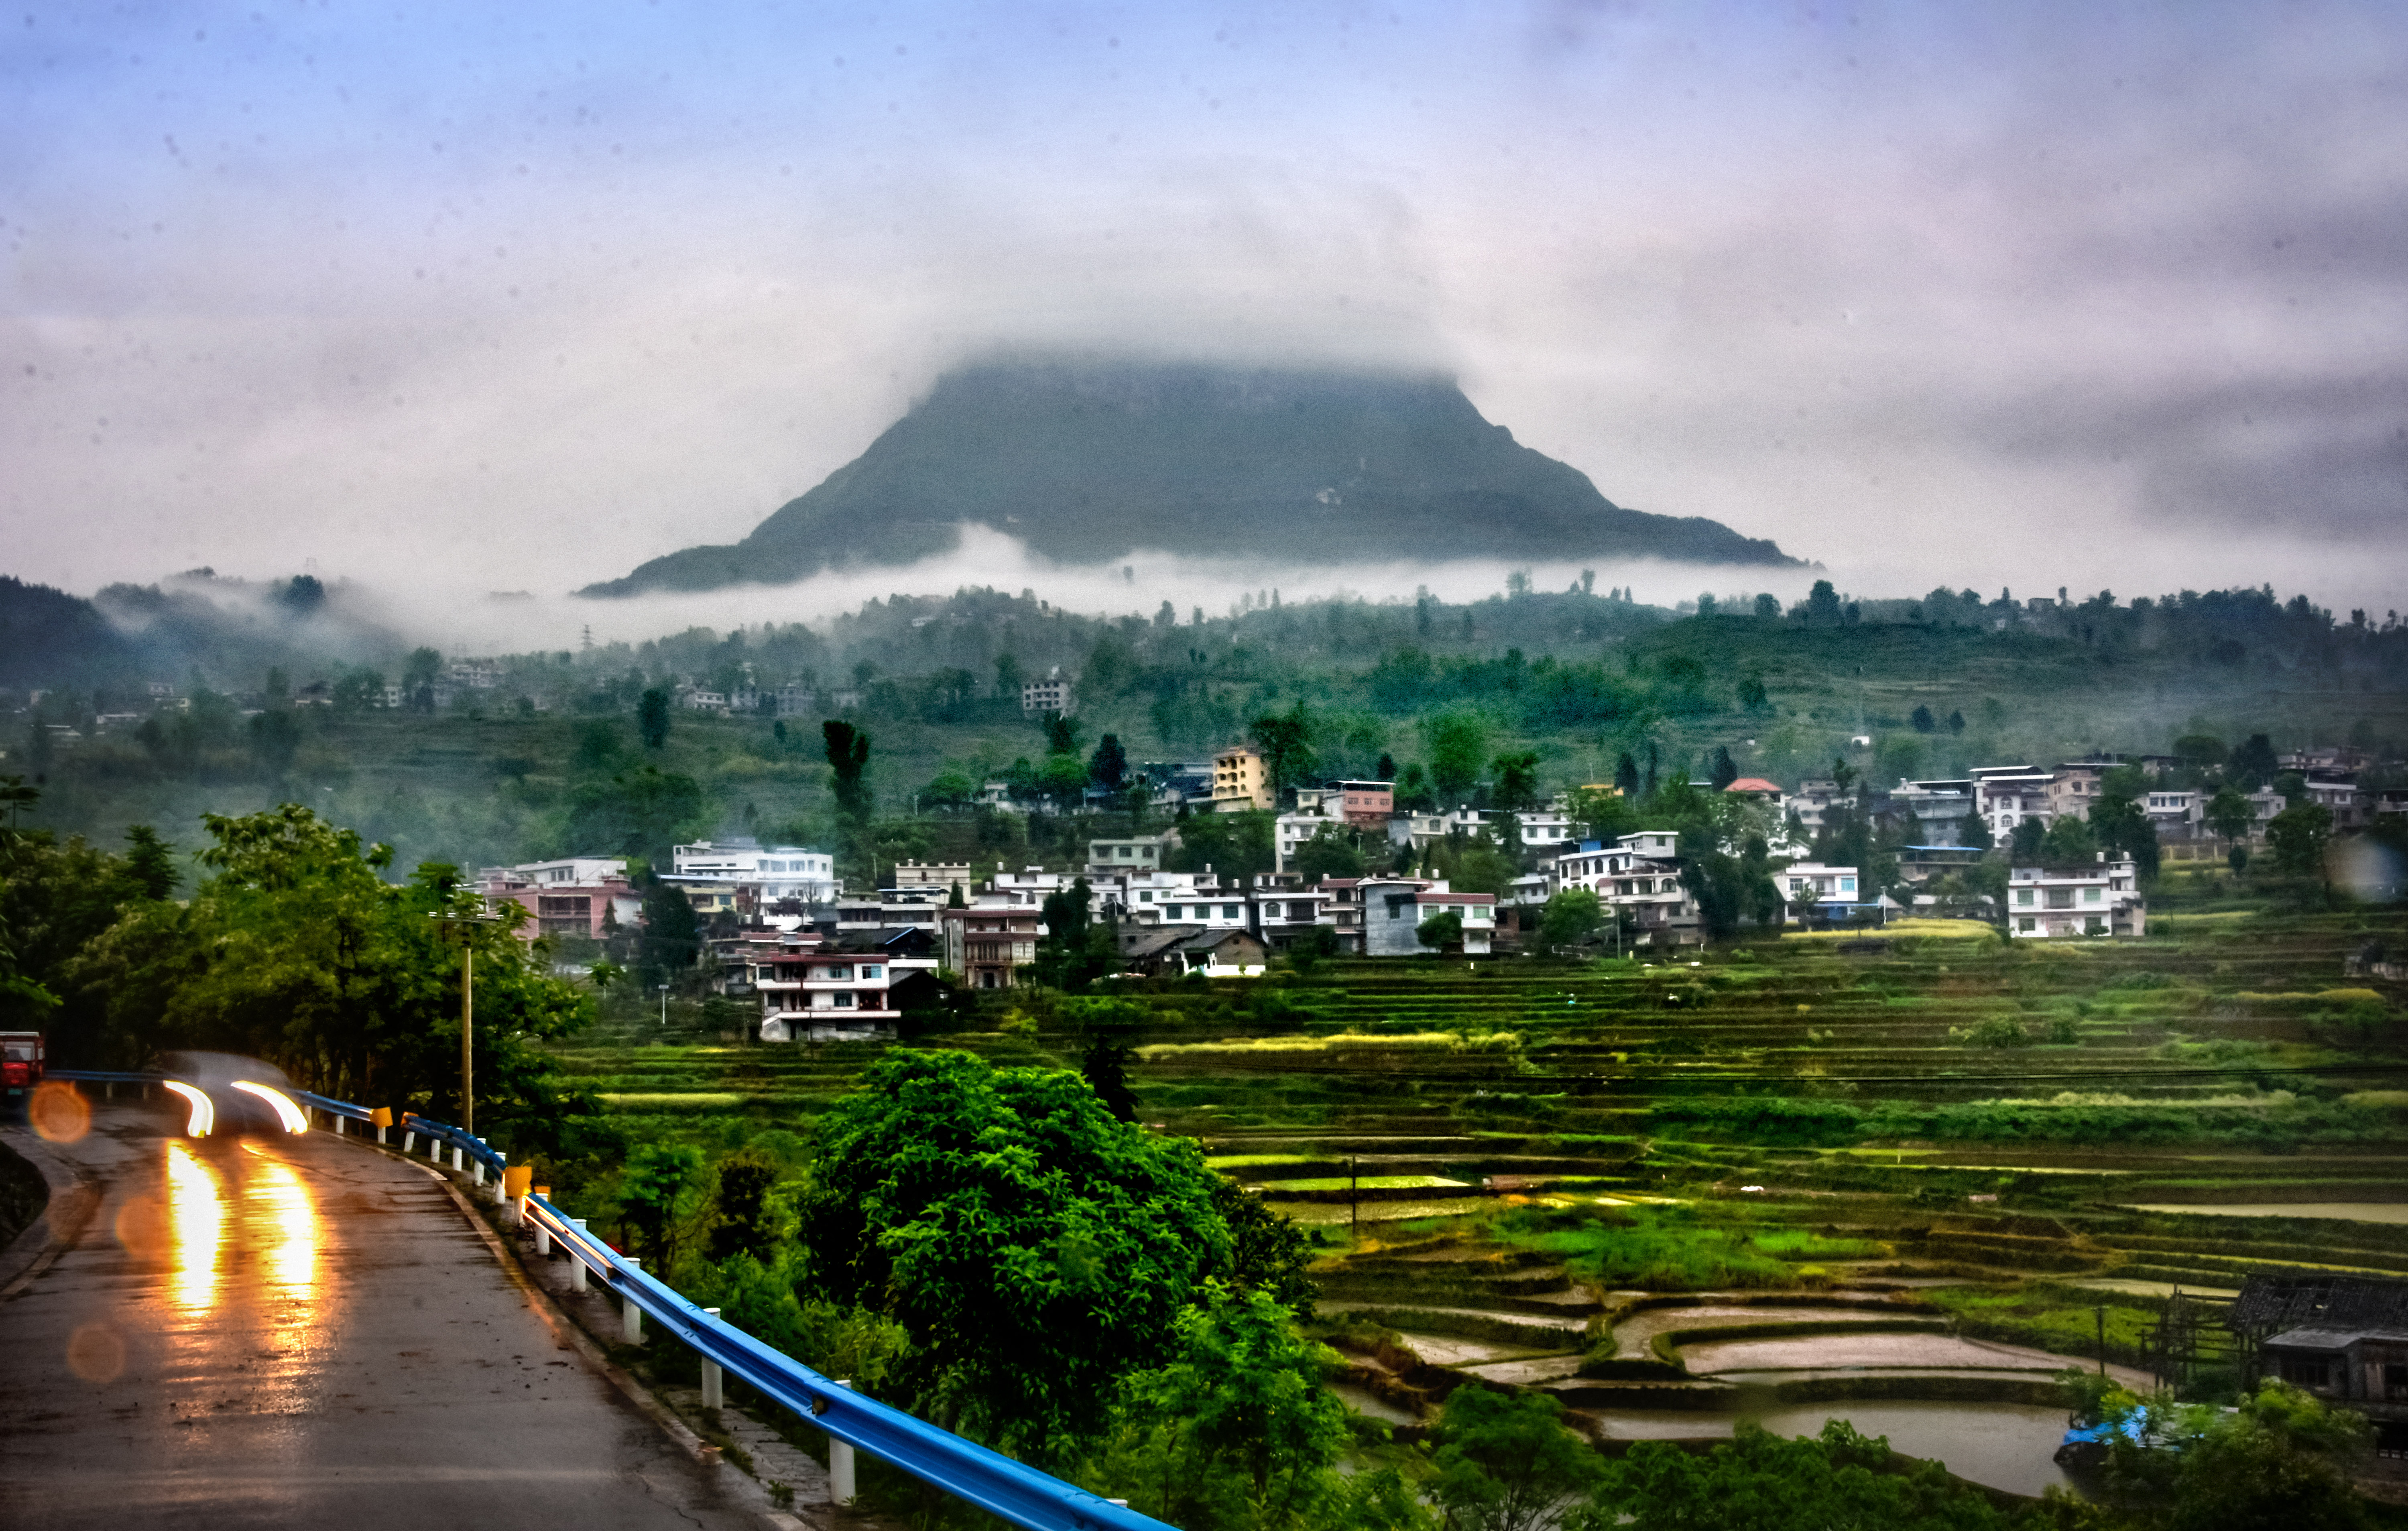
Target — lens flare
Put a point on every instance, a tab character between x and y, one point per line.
286	1112
204	1115
96	1353
58	1112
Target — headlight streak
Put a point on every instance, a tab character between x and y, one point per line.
294	1117
205	1114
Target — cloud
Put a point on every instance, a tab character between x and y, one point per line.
543	295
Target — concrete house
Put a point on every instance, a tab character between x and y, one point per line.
986	946
1395	908
2104	899
852	989
1051	694
1241	781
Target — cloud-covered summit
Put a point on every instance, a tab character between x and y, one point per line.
1087	459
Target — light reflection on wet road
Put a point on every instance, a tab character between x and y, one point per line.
270	1330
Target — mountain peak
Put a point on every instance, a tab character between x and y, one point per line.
1089	459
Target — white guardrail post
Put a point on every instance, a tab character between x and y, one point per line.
714	1390
630	1318
577	1260
840	1492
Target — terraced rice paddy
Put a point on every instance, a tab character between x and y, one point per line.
1902	1174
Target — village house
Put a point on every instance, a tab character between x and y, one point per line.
2351	806
941	876
2075	788
772	873
1342	911
1937	809
575	896
1283	907
1178	950
1395	908
1637	878
2006	795
1241	781
852	989
2344	1339
2103	899
984	946
1051	694
1812	894
1119	858
1814	798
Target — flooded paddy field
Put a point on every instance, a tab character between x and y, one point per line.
2002	1446
2338	1211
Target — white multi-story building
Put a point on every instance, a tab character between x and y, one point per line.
2101	900
1640	874
1282	908
1051	694
1289	832
943	876
847	991
774	873
1544	826
1423	830
1207	905
1810	892
2006	795
1814	798
2174	814
1140	853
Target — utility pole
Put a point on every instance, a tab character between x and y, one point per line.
467	1009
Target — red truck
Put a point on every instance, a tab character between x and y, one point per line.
20	1063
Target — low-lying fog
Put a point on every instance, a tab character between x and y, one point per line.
482	621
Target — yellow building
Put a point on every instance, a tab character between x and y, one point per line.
1239	781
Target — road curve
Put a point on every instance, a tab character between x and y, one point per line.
264	1330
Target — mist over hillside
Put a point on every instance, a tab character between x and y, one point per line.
1087	460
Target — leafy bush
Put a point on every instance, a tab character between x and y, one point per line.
1998	1031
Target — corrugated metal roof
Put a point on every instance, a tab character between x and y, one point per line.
2320	1302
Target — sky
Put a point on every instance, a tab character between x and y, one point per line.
451	299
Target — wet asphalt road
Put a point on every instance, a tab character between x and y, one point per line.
266	1330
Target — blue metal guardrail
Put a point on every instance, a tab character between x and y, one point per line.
988	1479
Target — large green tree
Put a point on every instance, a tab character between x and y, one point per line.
2298	834
1034	1250
1505	1462
1458	747
2230	814
848	758
1235	1432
